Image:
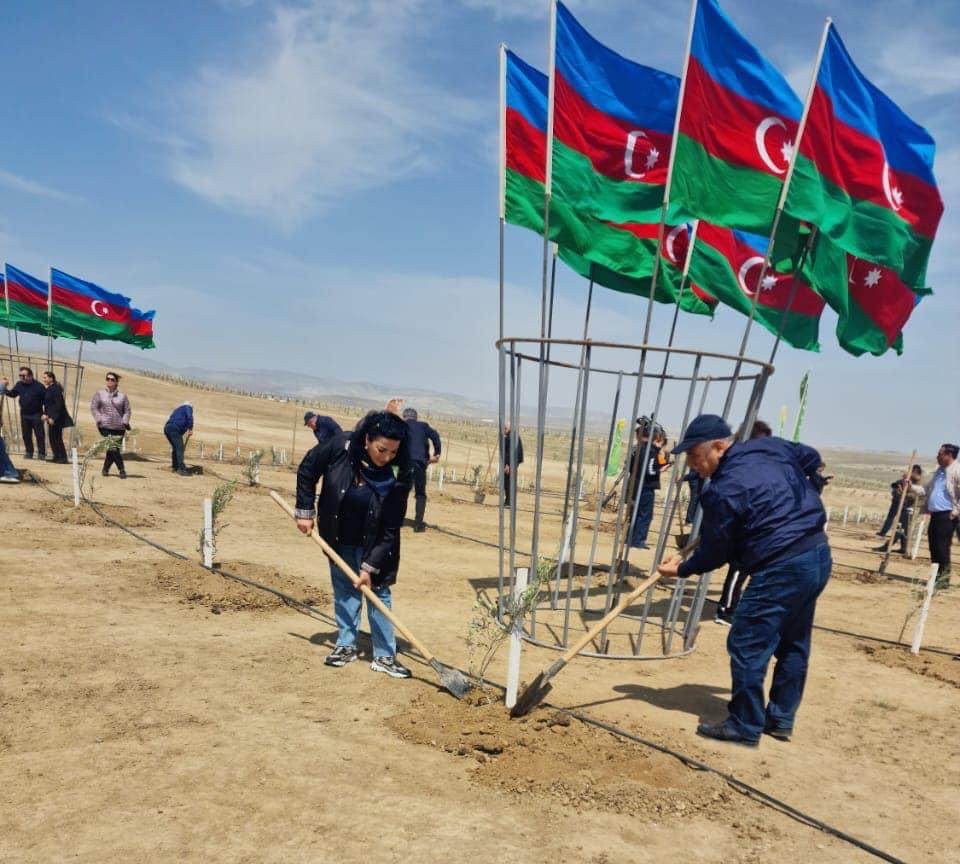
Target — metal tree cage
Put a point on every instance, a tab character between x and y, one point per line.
578	529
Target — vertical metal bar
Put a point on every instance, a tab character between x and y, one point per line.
576	499
515	395
601	490
504	460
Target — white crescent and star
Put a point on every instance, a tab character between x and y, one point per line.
96	311
893	194
669	242
745	268
760	137
628	155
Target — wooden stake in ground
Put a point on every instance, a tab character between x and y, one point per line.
924	609
76	476
208	532
293	444
516	641
451	679
896	520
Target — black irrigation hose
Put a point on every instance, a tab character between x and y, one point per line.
742	787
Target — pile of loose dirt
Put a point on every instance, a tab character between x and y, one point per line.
845	573
942	667
64	513
220	593
550	754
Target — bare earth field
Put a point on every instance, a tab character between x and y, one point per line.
152	710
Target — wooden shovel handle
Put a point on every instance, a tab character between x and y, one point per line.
372	598
593	632
617	610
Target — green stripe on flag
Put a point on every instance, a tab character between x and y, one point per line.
69	322
726	195
862	228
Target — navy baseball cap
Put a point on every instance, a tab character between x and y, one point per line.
308	417
706	427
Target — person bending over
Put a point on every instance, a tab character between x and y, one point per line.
359	513
762	510
178	429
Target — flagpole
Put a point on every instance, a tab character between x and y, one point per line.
502	177
630	477
777	214
50	317
542	383
76	396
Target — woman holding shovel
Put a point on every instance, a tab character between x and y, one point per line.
362	504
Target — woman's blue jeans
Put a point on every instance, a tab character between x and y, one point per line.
347	604
774	619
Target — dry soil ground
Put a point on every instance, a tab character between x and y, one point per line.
151	710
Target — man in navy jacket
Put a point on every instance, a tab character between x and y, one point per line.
421	437
31	393
760	509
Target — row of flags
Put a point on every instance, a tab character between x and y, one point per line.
66	306
843	182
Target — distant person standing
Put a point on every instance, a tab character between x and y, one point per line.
505	456
323	427
943	505
420	438
31	393
647	482
111	413
914	492
56	416
178	429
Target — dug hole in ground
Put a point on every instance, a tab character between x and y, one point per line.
154	710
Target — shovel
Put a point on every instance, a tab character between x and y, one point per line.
451	679
538	689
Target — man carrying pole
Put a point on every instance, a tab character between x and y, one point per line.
760	509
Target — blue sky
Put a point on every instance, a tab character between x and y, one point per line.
312	186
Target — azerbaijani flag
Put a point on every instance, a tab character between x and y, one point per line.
872	301
141	329
729	262
673	252
25	302
864	171
738	125
87	309
525	158
612	127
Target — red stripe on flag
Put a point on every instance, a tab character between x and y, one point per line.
882	296
526	147
746	263
707	298
18	293
643	230
855	162
89	306
616	148
732	128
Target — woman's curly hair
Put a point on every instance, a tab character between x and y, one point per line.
383	424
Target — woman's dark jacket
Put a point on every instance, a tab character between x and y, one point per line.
55	407
337	463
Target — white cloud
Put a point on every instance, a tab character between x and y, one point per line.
330	105
31	187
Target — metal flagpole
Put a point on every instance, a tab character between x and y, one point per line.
542	383
629	478
74	432
776	217
50	317
502	178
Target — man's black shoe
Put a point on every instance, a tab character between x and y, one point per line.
183	472
722	732
105	472
419	528
123	475
778	732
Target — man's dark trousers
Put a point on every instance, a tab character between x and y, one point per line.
176	448
32	426
940	535
891	515
774	619
419	491
644	517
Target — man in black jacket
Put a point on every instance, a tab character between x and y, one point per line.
420	436
324	427
31	393
504	455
